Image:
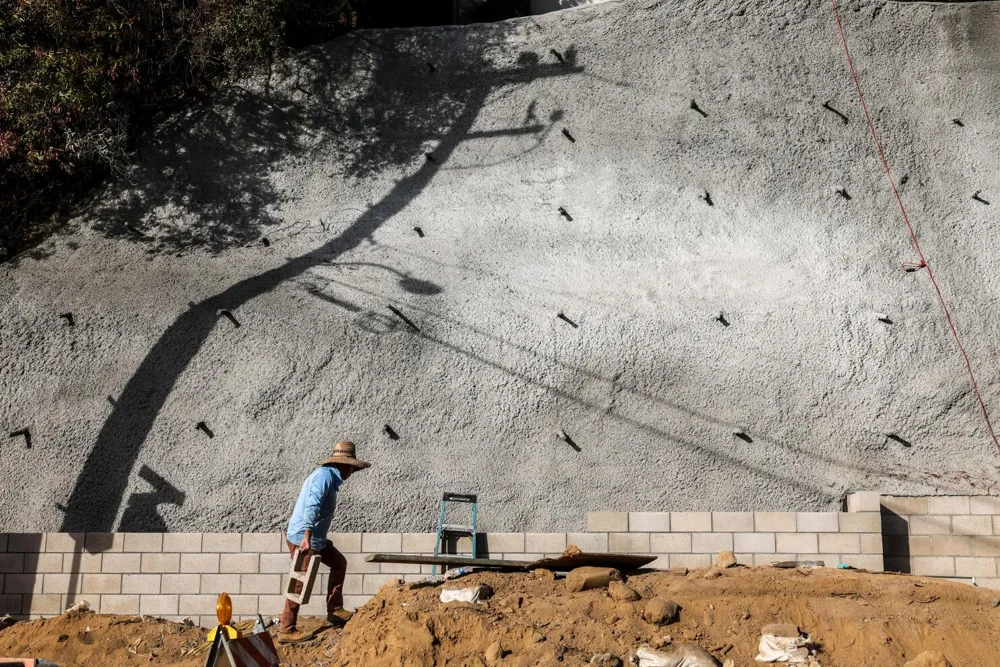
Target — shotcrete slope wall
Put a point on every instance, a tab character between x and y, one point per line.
473	371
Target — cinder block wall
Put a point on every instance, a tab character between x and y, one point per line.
943	536
180	575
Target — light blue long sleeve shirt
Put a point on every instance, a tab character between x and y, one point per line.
314	507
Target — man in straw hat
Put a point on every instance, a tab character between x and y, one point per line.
307	530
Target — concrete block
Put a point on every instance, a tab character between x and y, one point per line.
200	563
25	543
156	562
43	562
607	522
101	584
356	564
353	584
353	602
662	562
872	562
839	543
499	542
373	582
863	501
120	604
628	543
29	584
221	542
399	568
861	522
263	543
81	562
691	522
984	505
103	542
143	542
984	546
649	522
711	543
270	605
141	584
239	563
589	542
246	605
382	542
690	560
42	604
755	543
732	522
346	543
950	545
796	543
774	522
423	543
545	542
975	567
989	583
670	543
271	563
901	545
215	584
904	506
871	544
933	565
157	605
64	542
3	543
895	525
121	563
930	525
971	525
182	542
12	563
948	505
61	584
260	584
193	605
10	604
187	584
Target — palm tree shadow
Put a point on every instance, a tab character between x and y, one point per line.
393	119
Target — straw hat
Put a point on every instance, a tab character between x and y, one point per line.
343	452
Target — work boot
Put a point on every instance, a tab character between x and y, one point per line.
339	617
295	637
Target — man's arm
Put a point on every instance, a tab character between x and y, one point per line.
314	503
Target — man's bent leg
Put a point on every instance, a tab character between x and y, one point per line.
334	560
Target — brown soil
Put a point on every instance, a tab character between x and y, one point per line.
858	619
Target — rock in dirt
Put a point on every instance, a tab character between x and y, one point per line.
725	559
543	574
620	592
661	612
572	550
685	655
494	654
929	659
606	660
713	574
586	578
781	630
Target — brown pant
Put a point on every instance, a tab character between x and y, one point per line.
333	559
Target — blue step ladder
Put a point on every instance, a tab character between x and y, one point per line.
453	529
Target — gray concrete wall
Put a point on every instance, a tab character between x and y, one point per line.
327	162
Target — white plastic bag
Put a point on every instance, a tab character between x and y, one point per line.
789	650
685	655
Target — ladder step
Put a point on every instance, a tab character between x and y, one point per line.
456	528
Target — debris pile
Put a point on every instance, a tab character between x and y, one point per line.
819	616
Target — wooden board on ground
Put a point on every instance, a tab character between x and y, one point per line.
560	564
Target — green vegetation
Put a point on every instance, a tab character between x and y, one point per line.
79	77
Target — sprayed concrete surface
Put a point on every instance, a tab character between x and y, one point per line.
473	371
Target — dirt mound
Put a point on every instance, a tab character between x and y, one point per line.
855	619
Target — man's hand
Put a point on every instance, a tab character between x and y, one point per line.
306	544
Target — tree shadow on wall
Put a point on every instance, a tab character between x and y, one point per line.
471	65
217	176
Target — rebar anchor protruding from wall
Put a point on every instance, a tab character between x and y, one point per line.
562	435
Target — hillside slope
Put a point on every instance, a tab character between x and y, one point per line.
326	161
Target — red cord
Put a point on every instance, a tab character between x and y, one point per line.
916	244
